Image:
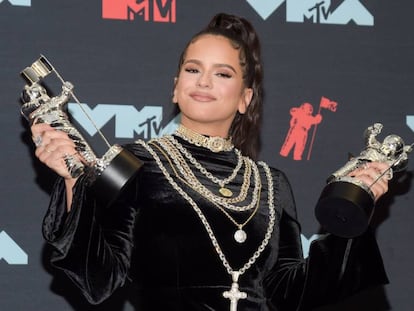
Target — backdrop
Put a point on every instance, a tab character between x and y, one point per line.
349	60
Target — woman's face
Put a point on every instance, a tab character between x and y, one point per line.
209	88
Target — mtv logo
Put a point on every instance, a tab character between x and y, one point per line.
10	251
162	10
128	120
320	12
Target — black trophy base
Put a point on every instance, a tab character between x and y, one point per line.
344	209
116	176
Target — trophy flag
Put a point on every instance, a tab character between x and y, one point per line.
326	104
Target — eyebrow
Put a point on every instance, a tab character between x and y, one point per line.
195	61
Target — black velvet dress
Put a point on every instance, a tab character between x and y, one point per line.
153	236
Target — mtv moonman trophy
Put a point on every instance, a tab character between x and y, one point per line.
108	174
345	206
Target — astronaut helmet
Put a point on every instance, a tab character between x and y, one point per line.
392	146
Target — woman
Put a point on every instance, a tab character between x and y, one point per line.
203	226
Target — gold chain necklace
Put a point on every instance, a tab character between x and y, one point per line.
223	190
187	173
240	236
214	143
234	294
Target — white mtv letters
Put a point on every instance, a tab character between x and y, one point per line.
128	120
19	2
317	11
10	251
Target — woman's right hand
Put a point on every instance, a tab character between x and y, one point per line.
52	146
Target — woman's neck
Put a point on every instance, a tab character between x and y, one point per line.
212	130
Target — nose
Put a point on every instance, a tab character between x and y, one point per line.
204	81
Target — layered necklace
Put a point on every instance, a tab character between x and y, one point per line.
167	146
215	144
234	294
225	200
177	156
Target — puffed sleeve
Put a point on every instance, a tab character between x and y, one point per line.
335	268
92	244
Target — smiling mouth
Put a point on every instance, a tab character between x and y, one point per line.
202	97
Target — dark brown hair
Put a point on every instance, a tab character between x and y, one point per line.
245	129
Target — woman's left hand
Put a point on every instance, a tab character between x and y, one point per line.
371	172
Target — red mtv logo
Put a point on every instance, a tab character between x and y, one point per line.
149	10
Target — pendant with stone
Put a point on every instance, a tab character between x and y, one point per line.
226	192
240	236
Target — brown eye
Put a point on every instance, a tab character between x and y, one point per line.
224	75
191	70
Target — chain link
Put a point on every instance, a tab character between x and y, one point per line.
272	216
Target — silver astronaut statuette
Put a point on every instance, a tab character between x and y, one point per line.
108	174
345	206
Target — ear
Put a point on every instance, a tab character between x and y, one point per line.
245	100
174	97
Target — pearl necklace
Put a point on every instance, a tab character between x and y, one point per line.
233	294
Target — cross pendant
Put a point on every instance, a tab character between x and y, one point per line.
234	294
